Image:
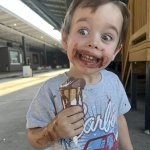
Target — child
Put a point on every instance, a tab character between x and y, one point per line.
92	34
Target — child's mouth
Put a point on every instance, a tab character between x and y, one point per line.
90	60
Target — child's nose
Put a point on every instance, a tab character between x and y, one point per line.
94	41
90	45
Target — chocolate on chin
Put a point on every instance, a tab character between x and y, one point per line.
71	91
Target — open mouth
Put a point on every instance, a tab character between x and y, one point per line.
89	59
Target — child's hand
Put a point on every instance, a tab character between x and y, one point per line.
69	122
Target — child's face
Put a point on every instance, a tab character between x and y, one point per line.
93	39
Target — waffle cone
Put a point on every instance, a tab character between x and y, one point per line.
72	94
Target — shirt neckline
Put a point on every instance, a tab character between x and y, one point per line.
89	86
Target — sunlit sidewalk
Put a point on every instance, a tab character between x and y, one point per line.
20	83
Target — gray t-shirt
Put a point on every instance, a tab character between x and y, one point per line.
103	103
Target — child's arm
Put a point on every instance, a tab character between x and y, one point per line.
68	123
124	138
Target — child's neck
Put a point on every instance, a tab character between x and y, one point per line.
89	78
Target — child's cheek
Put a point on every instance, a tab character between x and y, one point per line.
74	48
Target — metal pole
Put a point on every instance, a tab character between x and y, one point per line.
45	56
133	88
24	50
147	102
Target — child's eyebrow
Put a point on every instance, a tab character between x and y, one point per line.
109	26
81	19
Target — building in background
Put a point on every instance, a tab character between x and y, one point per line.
12	57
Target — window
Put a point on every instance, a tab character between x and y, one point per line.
21	60
14	57
35	59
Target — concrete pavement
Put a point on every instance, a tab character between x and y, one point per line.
13	108
5	75
135	120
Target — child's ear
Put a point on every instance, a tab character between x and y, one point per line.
117	51
64	40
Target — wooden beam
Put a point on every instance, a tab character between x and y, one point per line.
141	55
138	34
141	46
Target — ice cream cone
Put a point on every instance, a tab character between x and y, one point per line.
71	92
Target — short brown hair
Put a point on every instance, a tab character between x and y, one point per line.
94	4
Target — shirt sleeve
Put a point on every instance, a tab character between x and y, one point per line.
124	105
41	110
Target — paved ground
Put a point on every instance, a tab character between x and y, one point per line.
13	107
135	120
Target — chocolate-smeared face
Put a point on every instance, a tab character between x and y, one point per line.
92	42
90	60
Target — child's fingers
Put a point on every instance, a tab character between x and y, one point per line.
76	117
78	131
78	124
73	110
69	122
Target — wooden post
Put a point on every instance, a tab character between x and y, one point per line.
148	19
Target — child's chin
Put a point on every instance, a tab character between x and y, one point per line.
85	66
88	69
90	65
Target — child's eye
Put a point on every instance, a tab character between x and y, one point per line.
106	37
83	31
